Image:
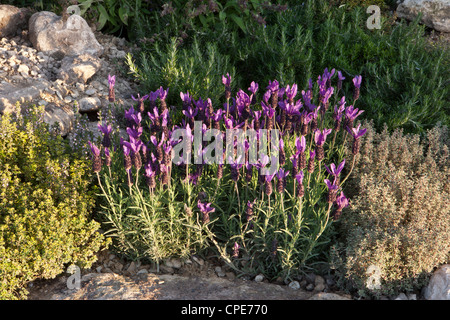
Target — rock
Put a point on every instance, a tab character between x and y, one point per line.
62	115
294	285
50	34
401	296
172	262
328	296
436	13
319	284
89	104
90	92
310	287
412	296
259	278
132	268
79	68
198	260
22	92
219	272
439	286
12	20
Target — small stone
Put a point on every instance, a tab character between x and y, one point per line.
412	296
99	269
294	285
401	296
165	269
219	272
198	260
132	268
259	278
310	287
142	271
23	69
67	99
90	92
319	283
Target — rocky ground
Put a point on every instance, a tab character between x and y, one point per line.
48	80
112	278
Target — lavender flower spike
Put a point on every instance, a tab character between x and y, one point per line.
97	161
321	136
335	171
111	83
341	202
205	209
332	190
106	130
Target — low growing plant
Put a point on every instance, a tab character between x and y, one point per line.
45	205
157	203
397	228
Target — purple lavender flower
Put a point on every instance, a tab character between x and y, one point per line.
319	139
134	133
338	112
340	79
321	136
341	202
253	87
273	86
311	163
140	101
111	83
291	92
134	146
332	190
357	133
205	209
335	171
350	115
186	100
332	170
268	184
162	96
357	83
281	175
150	176
97	160
226	80
106	130
300	143
301	189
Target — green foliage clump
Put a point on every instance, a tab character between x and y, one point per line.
44	205
404	78
399	217
196	69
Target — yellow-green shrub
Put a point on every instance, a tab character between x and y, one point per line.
44	205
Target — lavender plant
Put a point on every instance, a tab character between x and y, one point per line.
261	214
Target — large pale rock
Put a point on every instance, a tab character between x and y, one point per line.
12	20
439	286
78	68
436	13
10	93
50	34
64	116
